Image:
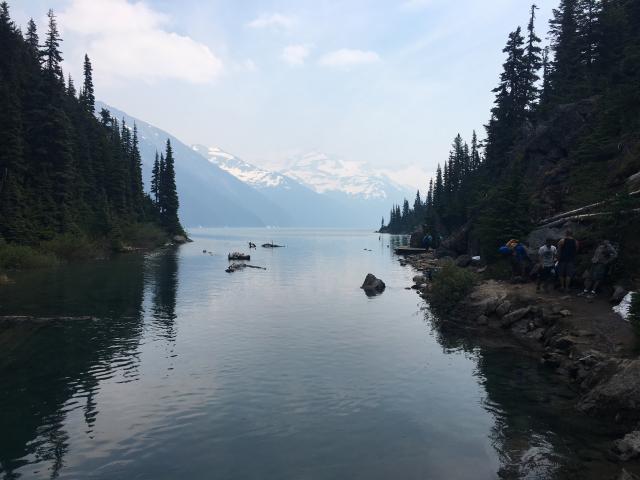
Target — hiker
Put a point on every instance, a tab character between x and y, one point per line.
603	257
427	241
567	252
547	256
519	257
521	260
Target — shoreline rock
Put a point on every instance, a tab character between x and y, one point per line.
585	344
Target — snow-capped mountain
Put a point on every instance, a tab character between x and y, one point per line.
325	174
316	190
250	174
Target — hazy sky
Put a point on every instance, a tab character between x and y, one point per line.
384	82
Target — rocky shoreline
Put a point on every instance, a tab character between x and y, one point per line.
582	341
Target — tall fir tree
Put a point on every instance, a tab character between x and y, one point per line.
32	40
88	98
51	49
155	179
169	196
533	62
566	69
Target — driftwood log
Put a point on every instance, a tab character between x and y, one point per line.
241	266
576	212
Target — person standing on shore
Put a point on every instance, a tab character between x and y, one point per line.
567	253
547	255
603	257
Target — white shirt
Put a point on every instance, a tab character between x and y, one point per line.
547	255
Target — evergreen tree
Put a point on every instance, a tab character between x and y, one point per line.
438	190
32	40
429	200
51	49
588	24
137	187
169	195
509	109
533	60
155	179
88	98
417	203
566	69
71	88
61	169
475	153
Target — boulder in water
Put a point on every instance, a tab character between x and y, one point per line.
373	285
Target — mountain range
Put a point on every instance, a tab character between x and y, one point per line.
216	188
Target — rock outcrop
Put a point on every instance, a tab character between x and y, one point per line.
617	396
373	285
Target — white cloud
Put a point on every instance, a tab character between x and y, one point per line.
128	40
295	55
346	58
272	20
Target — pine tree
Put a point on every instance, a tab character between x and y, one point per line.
588	23
533	59
429	200
51	50
475	153
5	18
71	88
509	109
169	195
155	179
61	169
417	203
32	40
438	190
88	98
137	187
566	70
546	72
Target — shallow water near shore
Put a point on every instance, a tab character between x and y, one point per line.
292	372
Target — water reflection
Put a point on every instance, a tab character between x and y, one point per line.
52	369
163	271
537	433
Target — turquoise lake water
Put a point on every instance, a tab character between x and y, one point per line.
189	372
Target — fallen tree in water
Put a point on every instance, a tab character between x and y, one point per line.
241	266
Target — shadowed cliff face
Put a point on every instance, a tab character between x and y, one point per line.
569	162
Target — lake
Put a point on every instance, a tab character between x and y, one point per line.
186	371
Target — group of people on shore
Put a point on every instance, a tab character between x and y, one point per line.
558	262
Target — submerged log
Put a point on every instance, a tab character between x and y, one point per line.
271	245
241	266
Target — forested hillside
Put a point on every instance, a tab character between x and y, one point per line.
64	172
564	132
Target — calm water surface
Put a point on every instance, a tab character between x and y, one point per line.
293	372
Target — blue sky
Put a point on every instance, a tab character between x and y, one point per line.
389	83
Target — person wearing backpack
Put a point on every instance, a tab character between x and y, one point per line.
547	257
567	253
